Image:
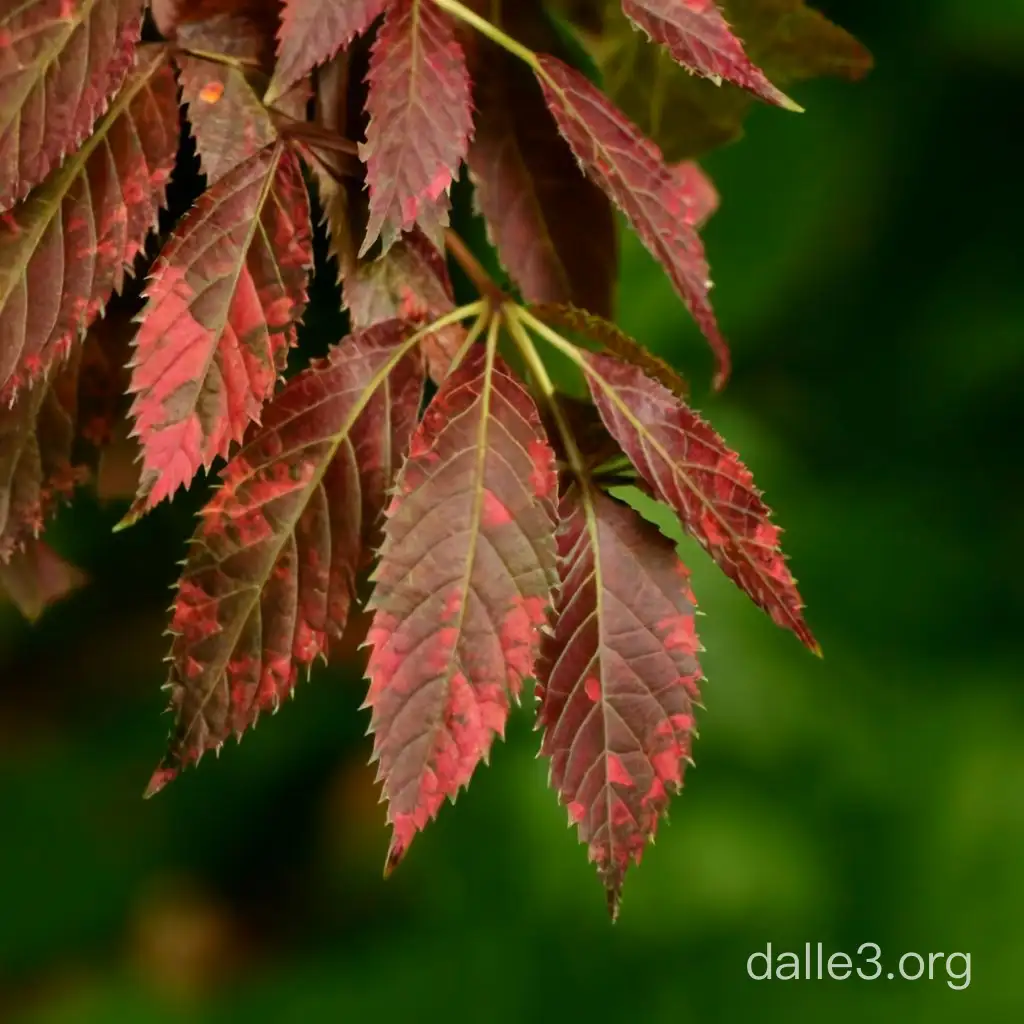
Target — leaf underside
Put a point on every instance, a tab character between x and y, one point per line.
461	589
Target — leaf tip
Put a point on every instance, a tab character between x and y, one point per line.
164	774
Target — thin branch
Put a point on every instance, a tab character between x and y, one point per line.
474	269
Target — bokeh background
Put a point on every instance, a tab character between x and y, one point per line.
869	274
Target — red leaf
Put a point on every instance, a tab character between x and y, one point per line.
462	589
619	679
554	230
272	571
223	301
410	281
313	31
38	577
70	244
698	37
629	167
421	118
690	468
700	197
60	63
227	117
36	466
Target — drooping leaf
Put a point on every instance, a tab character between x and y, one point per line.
409	281
688	115
271	574
313	31
614	340
618	678
692	470
38	577
461	589
699	38
630	168
60	63
421	118
222	304
554	230
37	469
71	243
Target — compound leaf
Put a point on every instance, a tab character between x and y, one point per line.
71	243
222	305
60	63
692	470
630	168
272	570
618	678
421	117
461	589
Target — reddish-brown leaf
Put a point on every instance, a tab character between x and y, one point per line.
271	574
700	197
227	117
698	37
37	577
618	679
60	63
554	230
313	31
630	168
690	468
421	118
71	243
223	302
409	281
461	590
36	467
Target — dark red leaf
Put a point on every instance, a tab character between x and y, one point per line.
223	302
272	570
313	31
619	679
690	468
554	230
700	197
421	118
36	466
461	590
629	167
60	63
698	37
72	242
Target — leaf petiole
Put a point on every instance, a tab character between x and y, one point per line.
486	28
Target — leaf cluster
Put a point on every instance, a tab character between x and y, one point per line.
497	555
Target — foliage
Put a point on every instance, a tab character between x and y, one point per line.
501	556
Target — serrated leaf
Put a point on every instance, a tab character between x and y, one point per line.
461	589
409	281
553	229
618	679
227	117
223	301
271	574
38	577
313	31
37	469
71	243
698	37
614	340
421	118
629	167
60	63
690	468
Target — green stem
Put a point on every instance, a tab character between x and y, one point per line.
481	322
485	28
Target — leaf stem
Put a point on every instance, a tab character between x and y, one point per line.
486	28
474	269
479	325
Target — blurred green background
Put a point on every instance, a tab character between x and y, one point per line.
867	258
